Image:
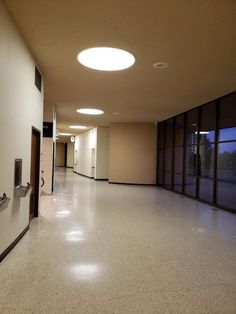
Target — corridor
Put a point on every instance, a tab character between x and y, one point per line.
105	248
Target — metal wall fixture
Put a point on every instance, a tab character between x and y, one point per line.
20	190
23	190
4	200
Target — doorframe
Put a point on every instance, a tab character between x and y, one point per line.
37	132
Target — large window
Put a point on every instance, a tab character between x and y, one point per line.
197	153
226	157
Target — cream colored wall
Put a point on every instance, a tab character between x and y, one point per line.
21	107
132	157
60	154
70	155
102	153
84	144
49	115
47	158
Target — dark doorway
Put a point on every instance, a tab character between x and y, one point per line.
34	173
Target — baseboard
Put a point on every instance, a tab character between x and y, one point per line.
84	175
13	244
145	184
100	179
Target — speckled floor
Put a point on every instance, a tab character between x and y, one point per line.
100	248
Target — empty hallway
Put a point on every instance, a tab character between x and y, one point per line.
108	248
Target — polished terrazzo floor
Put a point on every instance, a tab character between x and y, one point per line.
100	248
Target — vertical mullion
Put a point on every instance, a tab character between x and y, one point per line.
184	152
173	156
198	150
216	150
164	154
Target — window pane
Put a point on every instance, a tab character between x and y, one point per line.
206	189
227	120
161	134
191	127
190	185
160	177
179	130
178	182
168	159
168	179
206	160
169	133
191	160
226	195
226	174
160	159
226	166
208	123
227	134
190	170
179	159
227	111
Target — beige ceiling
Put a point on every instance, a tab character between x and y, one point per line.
197	38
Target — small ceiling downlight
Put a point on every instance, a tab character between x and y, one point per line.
160	65
106	58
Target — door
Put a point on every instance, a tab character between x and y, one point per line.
34	173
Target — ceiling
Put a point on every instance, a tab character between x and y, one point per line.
196	38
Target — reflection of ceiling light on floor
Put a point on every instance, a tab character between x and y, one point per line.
63	213
74	236
85	271
77	232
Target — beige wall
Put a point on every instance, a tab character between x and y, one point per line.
132	157
91	153
21	107
70	155
85	144
102	153
46	166
49	115
60	154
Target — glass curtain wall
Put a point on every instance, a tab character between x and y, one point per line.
197	153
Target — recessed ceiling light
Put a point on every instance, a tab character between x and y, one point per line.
79	127
64	134
160	65
106	58
90	111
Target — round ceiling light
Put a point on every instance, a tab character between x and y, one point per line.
78	127
106	59
160	65
90	111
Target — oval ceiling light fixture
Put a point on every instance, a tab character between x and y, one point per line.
90	111
78	127
160	65
106	58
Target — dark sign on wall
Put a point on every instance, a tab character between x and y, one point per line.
47	129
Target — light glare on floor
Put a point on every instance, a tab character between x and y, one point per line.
62	213
106	59
84	271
